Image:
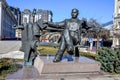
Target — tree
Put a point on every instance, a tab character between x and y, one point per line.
96	31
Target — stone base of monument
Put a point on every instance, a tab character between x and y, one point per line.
46	67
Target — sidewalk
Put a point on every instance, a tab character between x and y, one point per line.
13	54
8	46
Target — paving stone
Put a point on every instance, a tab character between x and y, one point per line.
78	79
103	79
116	78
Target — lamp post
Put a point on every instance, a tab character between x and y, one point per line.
33	14
18	23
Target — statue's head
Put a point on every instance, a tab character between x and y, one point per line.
74	13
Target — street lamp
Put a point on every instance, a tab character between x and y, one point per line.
18	23
33	14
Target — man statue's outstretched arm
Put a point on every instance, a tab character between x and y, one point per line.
56	24
18	27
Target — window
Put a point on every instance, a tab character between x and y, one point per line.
40	16
25	20
118	25
119	10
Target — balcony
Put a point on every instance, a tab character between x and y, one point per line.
116	33
117	17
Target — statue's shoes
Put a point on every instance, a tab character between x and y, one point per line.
56	60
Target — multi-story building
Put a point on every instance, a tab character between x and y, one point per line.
7	20
17	14
27	15
33	16
116	27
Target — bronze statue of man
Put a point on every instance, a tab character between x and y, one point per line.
71	35
30	39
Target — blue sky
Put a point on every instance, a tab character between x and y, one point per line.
101	10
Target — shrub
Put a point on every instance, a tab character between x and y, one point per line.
7	66
117	62
109	59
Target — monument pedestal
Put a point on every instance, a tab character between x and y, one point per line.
45	69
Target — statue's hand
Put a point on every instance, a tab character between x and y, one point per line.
34	44
45	26
14	26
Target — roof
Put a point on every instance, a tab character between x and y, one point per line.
108	25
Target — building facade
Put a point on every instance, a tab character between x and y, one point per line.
116	27
7	20
33	16
17	14
28	16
